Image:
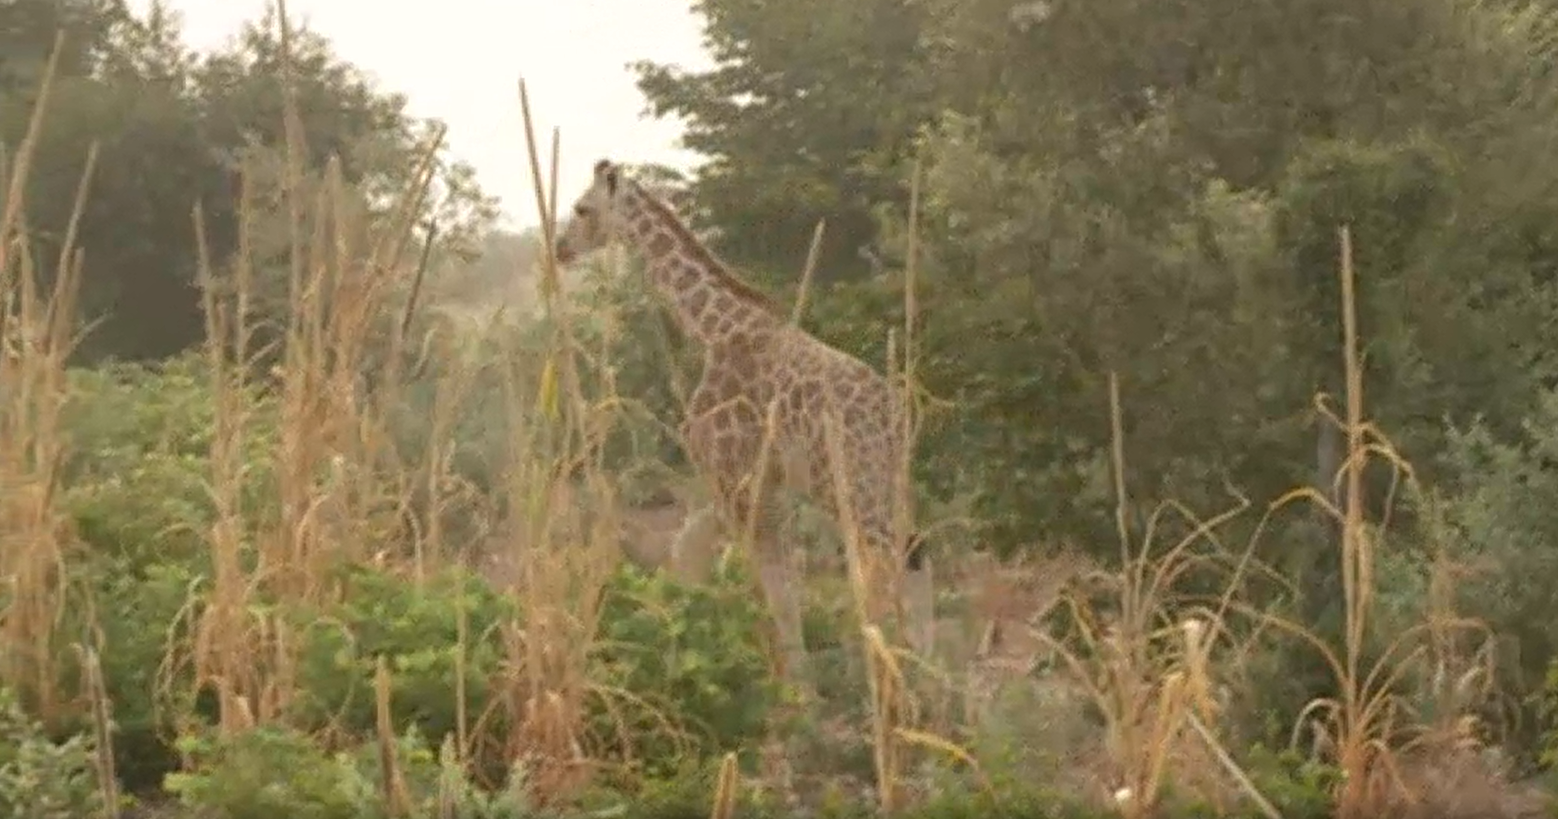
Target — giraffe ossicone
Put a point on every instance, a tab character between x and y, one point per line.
759	416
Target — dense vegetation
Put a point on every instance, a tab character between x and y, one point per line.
296	522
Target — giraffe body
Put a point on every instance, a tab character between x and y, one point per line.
758	367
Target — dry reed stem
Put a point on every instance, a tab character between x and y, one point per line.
561	544
396	797
1366	727
1367	722
883	676
726	789
1152	677
37	335
96	689
451	779
891	702
903	509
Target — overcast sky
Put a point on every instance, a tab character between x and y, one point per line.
461	60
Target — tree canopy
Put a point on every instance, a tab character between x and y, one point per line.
174	129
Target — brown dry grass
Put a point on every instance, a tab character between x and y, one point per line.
37	333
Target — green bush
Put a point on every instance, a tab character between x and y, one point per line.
137	481
142	616
136	488
1299	788
417	632
691	653
267	772
270	772
1504	518
41	779
139	498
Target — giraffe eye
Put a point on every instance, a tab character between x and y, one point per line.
581	210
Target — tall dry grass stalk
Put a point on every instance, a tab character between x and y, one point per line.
37	335
1370	726
726	789
559	538
886	608
1146	655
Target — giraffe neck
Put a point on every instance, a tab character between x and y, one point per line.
710	303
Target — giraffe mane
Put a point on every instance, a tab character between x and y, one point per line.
701	251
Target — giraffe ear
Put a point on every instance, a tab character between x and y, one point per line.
606	172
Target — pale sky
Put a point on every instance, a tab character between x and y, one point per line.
461	61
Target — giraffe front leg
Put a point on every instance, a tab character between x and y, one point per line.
725	457
777	576
779	580
697	546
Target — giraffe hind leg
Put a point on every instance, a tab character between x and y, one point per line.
725	458
919	603
778	579
777	575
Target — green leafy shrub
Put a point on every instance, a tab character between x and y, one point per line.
269	772
1504	518
417	631
691	652
41	779
137	492
1299	788
690	657
137	480
141	617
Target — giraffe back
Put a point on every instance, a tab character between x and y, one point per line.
807	382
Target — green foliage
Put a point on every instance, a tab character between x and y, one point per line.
1299	788
690	654
28	29
1505	518
41	779
1504	522
140	436
137	492
634	348
269	772
1154	194
416	630
146	608
1108	189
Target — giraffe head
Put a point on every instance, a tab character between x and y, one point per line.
596	215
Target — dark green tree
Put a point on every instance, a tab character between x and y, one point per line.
808	114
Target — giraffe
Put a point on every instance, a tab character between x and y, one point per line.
758	366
